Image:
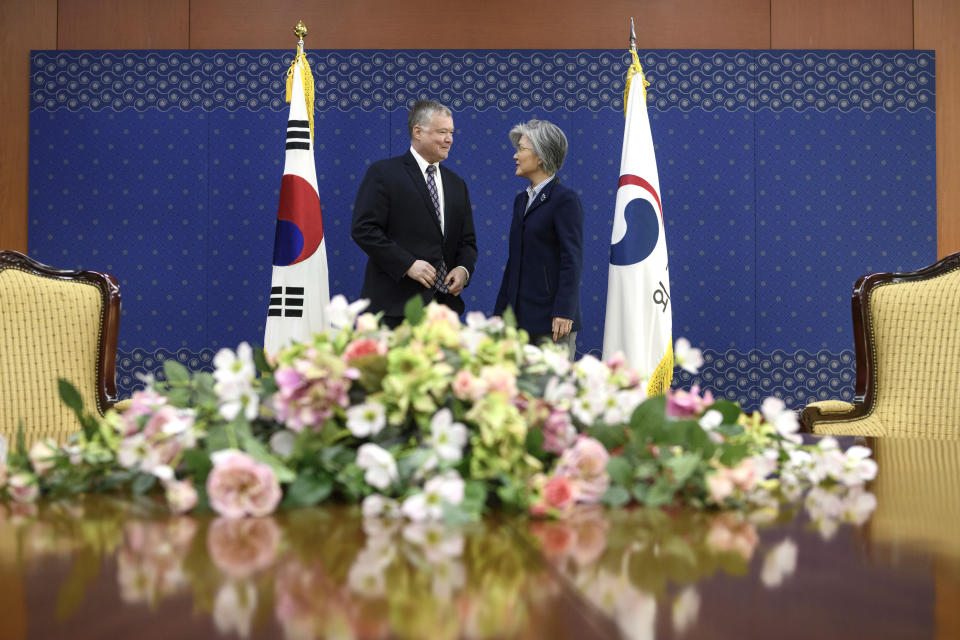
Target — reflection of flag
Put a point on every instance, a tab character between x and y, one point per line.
300	290
639	321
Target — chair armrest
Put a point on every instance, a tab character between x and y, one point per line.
824	410
830	407
123	405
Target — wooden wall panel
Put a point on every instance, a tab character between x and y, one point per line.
851	24
123	24
386	24
23	26
938	27
492	24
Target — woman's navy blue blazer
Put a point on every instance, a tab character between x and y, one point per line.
542	277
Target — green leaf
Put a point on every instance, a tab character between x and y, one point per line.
729	410
509	318
308	489
732	454
611	437
70	396
413	310
649	419
640	491
474	496
197	464
175	372
143	483
620	471
260	453
683	466
659	494
260	359
615	496
535	440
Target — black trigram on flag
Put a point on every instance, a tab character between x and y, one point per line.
286	302
298	134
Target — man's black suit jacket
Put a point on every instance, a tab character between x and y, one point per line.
394	223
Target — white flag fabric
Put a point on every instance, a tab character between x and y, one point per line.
300	289
639	313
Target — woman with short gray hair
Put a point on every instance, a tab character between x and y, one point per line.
541	282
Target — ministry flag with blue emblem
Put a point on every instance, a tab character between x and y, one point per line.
300	290
639	319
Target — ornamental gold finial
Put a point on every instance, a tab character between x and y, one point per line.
300	30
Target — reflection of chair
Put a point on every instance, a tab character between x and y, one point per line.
54	324
907	338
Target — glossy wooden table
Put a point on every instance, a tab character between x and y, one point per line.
111	568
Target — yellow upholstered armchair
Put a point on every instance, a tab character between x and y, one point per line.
906	330
54	324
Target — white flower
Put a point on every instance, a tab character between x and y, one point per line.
380	467
281	442
4	448
783	420
376	506
687	357
711	420
859	467
367	419
343	314
428	505
559	391
43	455
446	436
234	375
781	561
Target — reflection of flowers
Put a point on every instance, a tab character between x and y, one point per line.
828	507
780	562
234	607
149	566
686	609
240	548
729	532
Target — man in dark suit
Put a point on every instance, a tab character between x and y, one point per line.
412	218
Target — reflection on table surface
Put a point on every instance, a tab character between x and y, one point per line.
108	567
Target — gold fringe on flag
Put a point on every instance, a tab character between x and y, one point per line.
660	380
635	68
307	77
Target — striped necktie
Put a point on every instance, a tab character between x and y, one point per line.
435	197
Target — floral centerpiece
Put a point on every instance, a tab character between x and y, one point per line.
432	420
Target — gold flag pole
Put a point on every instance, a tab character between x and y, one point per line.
300	30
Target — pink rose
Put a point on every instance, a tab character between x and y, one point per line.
687	404
239	486
363	347
559	492
558	432
466	386
500	379
585	463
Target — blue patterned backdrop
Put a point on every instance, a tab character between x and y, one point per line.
785	176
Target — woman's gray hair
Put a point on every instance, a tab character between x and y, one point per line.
422	112
547	140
